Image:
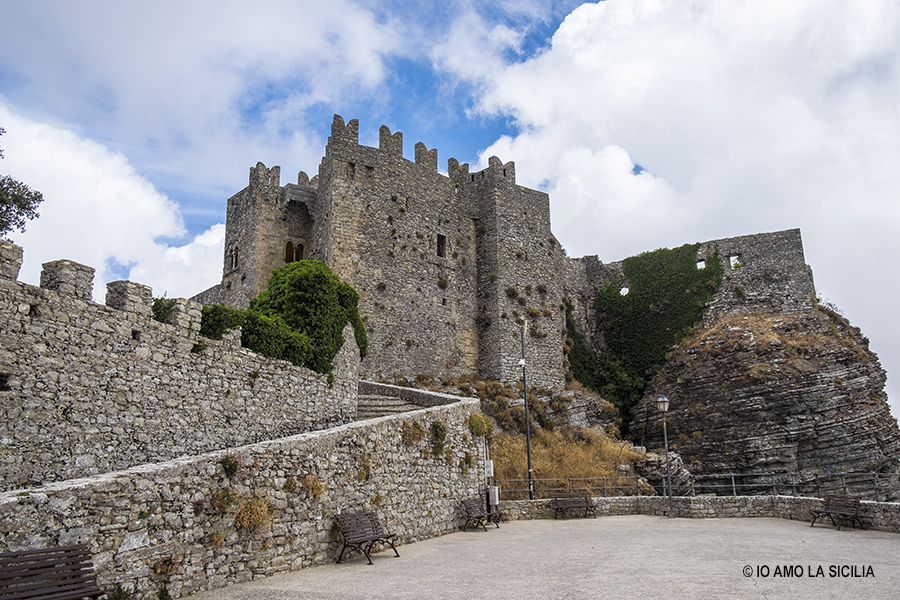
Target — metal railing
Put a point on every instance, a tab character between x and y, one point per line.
873	486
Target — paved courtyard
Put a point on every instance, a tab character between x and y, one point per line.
610	557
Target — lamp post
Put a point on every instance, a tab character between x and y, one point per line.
662	403
527	419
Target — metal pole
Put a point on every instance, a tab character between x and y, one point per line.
668	470
527	417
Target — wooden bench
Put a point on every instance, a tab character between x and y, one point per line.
361	530
842	507
477	515
58	573
562	502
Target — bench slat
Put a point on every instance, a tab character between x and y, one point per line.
65	573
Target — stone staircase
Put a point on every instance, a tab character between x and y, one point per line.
370	406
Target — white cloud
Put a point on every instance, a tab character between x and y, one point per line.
99	212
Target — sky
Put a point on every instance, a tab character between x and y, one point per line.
651	123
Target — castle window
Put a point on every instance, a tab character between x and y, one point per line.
4	382
735	261
701	264
298	252
289	252
473	176
456	189
135	335
442	246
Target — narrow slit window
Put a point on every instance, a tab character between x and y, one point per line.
442	246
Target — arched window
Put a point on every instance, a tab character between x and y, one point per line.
289	252
298	252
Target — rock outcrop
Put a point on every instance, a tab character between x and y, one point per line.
796	392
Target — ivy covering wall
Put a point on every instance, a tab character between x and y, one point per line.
300	317
666	295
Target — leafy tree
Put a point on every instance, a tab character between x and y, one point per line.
18	202
299	318
313	301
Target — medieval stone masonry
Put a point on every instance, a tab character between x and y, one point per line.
448	266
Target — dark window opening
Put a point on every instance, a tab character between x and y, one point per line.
504	172
444	301
298	252
473	176
289	252
4	382
442	246
136	335
34	310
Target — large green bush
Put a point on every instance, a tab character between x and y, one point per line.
300	317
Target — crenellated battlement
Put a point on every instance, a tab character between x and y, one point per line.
90	388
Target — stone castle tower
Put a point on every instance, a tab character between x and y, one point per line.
446	266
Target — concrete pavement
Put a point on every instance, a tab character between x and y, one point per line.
610	557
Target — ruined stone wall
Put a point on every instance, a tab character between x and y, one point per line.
764	273
87	388
176	516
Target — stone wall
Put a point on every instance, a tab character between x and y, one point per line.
87	388
171	523
882	516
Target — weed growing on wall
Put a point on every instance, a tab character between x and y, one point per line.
411	433
299	318
438	437
312	486
480	425
161	308
666	297
232	464
253	515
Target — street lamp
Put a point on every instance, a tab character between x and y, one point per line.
662	403
527	420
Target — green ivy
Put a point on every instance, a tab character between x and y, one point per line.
666	297
300	317
582	359
161	308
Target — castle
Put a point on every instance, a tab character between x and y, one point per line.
447	267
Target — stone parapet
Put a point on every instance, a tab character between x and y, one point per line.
882	516
89	389
10	260
179	523
128	296
68	278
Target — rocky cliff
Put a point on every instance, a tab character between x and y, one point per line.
788	392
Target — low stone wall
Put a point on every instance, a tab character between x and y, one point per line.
412	395
883	516
177	523
88	389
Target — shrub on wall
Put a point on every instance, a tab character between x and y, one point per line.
313	301
299	318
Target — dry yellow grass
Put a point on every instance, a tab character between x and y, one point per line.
559	455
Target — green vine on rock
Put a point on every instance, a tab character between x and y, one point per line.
667	295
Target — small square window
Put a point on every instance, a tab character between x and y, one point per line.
701	264
442	246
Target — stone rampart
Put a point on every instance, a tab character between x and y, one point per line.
87	388
883	516
178	523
